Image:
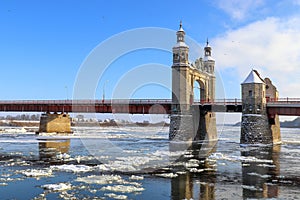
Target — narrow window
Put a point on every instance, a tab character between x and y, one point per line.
250	93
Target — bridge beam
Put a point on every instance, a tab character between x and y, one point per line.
55	123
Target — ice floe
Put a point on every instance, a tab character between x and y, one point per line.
259	175
57	187
103	179
220	156
37	172
133	177
251	187
167	175
115	196
72	168
122	188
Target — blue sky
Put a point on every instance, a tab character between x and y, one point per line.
45	43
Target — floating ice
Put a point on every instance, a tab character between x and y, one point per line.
167	175
251	187
57	187
192	163
115	196
63	156
72	168
103	179
259	175
266	165
122	188
37	172
220	156
133	177
195	170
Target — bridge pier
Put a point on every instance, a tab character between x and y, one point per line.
55	123
257	126
192	127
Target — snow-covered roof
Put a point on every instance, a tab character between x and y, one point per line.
253	77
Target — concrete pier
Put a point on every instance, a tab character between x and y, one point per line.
55	123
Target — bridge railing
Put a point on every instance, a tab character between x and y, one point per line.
286	100
84	102
219	102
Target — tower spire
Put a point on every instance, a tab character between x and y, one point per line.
207	42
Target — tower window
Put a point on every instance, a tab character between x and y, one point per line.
250	93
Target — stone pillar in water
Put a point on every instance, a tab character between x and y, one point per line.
257	127
55	123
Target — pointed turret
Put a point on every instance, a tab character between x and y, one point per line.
209	62
180	50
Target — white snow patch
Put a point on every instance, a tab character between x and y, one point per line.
133	177
115	196
251	187
37	172
195	170
57	187
72	168
122	188
167	175
103	179
259	175
220	156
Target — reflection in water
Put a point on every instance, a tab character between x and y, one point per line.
49	149
258	177
185	187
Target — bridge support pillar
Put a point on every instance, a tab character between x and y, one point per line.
186	129
257	126
259	129
57	123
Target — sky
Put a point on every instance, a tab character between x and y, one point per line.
46	45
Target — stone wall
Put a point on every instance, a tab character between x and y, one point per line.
254	104
57	123
255	129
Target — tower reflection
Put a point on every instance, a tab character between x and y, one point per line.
258	175
185	185
50	150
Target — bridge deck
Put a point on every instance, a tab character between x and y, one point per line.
286	106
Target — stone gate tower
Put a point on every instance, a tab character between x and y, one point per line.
188	122
257	126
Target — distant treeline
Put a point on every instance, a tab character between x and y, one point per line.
24	117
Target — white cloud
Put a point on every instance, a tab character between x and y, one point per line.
239	9
271	45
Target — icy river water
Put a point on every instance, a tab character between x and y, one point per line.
135	163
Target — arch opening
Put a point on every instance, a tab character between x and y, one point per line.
199	91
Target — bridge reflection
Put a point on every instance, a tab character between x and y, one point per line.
51	150
192	185
258	180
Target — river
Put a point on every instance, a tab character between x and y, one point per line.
135	163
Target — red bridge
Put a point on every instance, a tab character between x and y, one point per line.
281	106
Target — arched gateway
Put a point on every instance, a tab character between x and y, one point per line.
188	123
